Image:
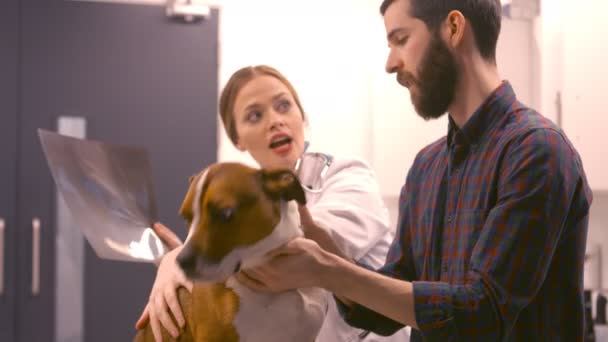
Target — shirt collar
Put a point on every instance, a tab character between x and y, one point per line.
484	118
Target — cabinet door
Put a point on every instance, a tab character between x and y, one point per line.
138	79
584	99
8	169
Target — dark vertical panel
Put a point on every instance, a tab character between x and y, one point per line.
9	50
138	79
35	319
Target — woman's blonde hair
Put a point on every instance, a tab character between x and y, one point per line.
236	82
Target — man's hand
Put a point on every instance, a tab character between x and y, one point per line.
300	263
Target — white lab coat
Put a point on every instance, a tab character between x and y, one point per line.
347	203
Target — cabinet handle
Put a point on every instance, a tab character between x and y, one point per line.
2	226
558	107
35	256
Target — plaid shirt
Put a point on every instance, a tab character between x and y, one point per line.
492	232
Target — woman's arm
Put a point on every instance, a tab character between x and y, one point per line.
349	218
319	235
163	296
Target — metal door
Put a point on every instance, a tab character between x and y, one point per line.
136	78
9	23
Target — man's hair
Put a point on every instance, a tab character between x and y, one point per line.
484	16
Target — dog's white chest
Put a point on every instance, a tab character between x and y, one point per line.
288	316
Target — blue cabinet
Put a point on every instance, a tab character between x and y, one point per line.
136	78
9	21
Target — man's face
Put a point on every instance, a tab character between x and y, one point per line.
422	61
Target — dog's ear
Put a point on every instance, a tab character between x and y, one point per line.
283	184
186	209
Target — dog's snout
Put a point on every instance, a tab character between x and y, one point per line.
186	259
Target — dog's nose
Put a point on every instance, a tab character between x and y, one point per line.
186	259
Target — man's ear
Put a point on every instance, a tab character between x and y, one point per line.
186	209
454	28
283	184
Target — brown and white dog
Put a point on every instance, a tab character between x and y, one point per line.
236	215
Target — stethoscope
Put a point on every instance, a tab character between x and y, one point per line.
313	161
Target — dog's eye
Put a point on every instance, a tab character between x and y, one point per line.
224	214
227	213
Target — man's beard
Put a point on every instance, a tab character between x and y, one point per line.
433	91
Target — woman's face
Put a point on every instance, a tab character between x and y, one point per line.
269	123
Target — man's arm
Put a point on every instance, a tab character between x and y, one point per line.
399	265
360	285
508	264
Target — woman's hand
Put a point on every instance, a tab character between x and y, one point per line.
319	235
163	296
167	235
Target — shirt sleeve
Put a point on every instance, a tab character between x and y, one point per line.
351	209
536	184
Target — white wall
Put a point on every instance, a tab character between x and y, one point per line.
598	232
337	63
516	57
572	59
337	66
583	83
547	47
322	47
